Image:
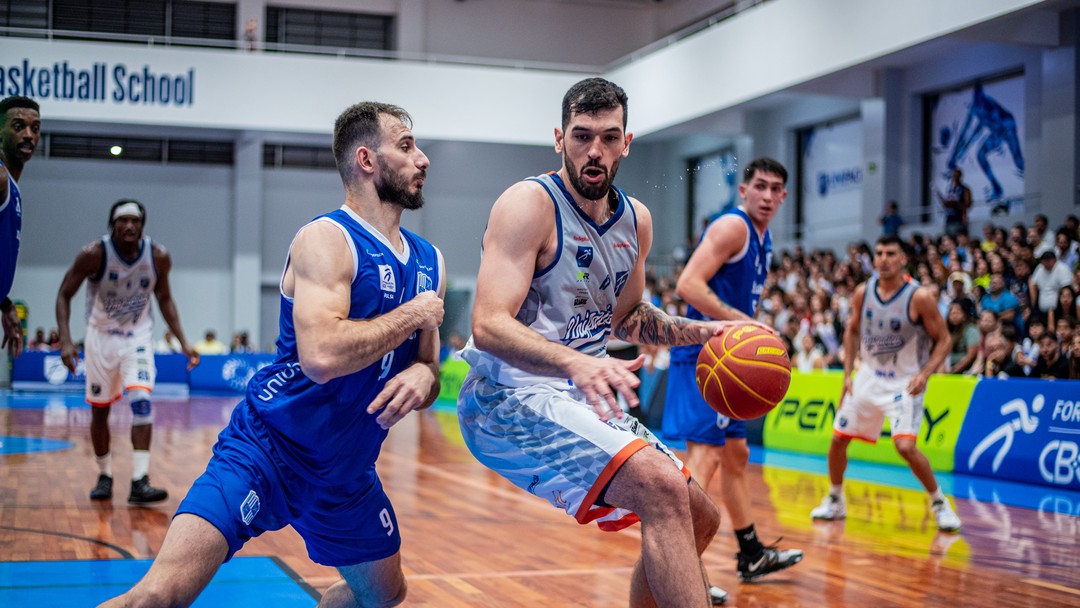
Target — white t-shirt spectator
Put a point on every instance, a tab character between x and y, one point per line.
1049	284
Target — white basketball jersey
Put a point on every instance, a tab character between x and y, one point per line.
572	300
118	300
893	346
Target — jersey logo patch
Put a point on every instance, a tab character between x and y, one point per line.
386	278
584	256
620	282
249	508
423	282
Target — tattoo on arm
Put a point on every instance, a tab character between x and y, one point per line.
647	324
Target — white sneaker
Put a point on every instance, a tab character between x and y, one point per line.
831	507
947	521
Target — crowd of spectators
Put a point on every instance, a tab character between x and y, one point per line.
1009	299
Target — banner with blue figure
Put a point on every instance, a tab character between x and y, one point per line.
1023	430
979	129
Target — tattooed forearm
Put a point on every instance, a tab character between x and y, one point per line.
647	324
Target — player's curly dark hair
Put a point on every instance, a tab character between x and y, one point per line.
593	95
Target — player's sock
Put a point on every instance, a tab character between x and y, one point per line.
937	495
104	464
836	490
749	544
140	464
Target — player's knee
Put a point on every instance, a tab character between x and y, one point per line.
383	598
905	447
140	411
736	455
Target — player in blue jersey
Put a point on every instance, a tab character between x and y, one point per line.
723	280
361	303
563	269
20	130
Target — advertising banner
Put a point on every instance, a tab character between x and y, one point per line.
803	421
1023	430
227	373
43	370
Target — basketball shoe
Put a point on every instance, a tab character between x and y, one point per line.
103	489
142	492
770	560
947	521
831	507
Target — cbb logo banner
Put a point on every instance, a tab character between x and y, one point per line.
1025	430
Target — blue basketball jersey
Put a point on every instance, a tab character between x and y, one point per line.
739	282
10	228
323	431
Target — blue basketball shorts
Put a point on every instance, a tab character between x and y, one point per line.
246	491
688	417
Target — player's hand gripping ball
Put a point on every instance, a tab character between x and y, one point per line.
744	372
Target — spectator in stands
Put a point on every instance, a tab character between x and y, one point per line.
890	220
1066	306
38	343
1066	249
1046	282
956	201
168	344
1050	365
1000	357
1040	237
960	286
1002	302
240	344
1065	328
210	345
54	340
965	337
808	355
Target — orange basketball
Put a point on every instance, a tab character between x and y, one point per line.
744	372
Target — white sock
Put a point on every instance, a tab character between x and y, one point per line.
837	490
104	464
937	495
140	464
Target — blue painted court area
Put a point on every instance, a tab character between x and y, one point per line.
244	581
23	445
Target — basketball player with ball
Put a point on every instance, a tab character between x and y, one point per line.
723	280
901	339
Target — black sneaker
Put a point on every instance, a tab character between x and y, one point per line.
717	596
103	489
770	560
143	492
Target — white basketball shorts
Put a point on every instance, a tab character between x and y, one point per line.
115	362
872	398
549	442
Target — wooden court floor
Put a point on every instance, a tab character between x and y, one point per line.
472	540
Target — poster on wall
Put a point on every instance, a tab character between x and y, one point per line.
978	129
715	188
831	178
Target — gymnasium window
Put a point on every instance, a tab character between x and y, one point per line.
328	29
139	149
292	156
136	20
